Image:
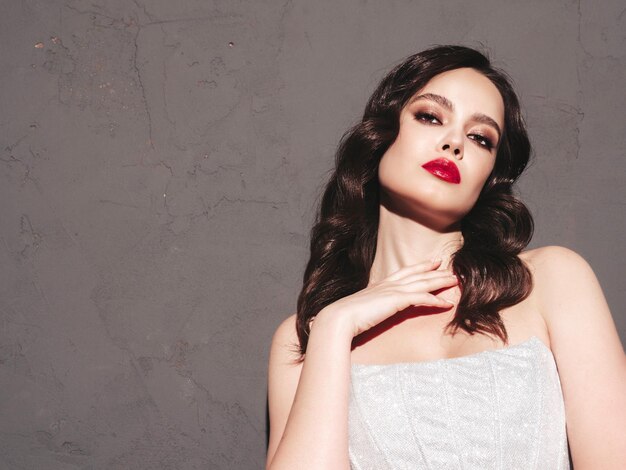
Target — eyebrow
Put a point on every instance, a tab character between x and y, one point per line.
446	103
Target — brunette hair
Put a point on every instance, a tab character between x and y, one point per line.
497	228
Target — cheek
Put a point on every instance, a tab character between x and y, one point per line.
480	177
389	166
383	169
401	158
488	168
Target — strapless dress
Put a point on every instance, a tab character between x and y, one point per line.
501	409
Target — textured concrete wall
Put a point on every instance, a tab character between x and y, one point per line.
159	164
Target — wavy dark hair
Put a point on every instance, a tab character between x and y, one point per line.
495	230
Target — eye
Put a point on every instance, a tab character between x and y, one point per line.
427	118
482	141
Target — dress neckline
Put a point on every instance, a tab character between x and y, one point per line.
527	342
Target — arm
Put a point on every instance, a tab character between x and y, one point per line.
315	427
589	356
308	402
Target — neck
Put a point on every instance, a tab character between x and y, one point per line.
403	241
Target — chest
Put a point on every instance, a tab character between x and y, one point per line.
420	334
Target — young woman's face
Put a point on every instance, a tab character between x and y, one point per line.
446	147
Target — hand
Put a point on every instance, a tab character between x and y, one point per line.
410	286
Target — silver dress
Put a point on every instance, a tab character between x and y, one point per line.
500	409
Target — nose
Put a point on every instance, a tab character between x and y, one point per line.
452	140
456	150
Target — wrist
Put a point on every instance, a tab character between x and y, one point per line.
332	322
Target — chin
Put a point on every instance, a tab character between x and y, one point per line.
452	201
431	211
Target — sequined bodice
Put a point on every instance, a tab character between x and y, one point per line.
500	409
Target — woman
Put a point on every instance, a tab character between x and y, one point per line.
425	337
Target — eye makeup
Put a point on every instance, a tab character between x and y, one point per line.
483	141
479	118
428	116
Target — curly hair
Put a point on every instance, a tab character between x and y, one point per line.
495	230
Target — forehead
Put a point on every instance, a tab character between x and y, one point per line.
469	91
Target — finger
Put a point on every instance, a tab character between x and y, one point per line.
423	299
423	276
429	285
424	266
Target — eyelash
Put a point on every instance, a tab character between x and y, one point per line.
428	117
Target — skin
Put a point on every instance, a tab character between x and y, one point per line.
405	301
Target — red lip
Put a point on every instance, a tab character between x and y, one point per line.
444	169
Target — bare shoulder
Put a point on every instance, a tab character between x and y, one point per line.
285	339
286	329
554	258
556	269
570	297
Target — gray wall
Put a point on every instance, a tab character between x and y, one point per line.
160	162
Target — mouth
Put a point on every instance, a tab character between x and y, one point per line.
444	169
